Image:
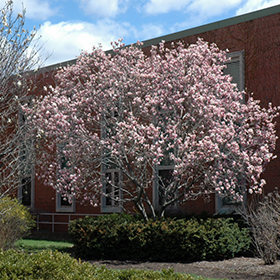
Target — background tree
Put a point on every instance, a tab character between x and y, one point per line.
132	113
17	58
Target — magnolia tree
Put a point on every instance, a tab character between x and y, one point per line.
134	114
17	58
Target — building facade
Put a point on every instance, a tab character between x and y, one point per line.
253	43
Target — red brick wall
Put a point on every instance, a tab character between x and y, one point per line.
260	41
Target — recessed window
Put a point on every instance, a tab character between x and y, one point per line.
25	164
26	191
62	202
110	200
235	68
162	187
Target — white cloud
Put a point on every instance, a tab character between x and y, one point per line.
65	40
253	5
35	9
210	8
199	9
204	11
149	31
103	8
164	6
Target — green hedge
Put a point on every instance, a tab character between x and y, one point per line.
54	265
122	237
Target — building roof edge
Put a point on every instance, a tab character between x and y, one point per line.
213	26
189	32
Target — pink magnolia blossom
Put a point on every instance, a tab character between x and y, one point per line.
135	112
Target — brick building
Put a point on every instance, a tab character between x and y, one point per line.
253	41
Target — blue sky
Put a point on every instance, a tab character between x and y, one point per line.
70	26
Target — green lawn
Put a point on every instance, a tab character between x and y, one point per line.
37	245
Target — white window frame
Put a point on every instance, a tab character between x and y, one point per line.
156	204
106	169
111	208
71	208
31	175
157	168
239	57
220	207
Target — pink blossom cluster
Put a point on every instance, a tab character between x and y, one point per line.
133	112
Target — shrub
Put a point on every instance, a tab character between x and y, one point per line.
103	234
167	240
15	221
263	218
55	265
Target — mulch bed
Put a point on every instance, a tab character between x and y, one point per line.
236	268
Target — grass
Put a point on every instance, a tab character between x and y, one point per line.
38	244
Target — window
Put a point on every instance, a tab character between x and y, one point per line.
62	203
235	68
111	175
26	191
110	201
26	168
165	169
163	179
161	184
226	205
